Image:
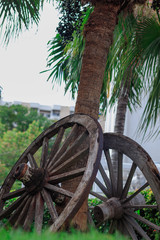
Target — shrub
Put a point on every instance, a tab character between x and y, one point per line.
151	214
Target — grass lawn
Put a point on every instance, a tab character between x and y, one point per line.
46	235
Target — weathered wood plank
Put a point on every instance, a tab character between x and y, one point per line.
65	145
120	174
58	190
105	178
55	146
130	229
21	217
12	207
30	215
70	150
52	210
39	209
102	187
143	220
13	194
111	172
44	155
75	158
129	180
13	217
137	227
98	196
66	176
32	160
136	193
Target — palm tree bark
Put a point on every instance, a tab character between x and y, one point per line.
98	38
98	35
121	117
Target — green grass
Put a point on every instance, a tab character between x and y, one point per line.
46	235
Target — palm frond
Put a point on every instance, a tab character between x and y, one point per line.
120	70
16	15
64	60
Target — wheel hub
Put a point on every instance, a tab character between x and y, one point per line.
111	209
33	179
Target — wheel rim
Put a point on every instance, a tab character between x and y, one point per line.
59	157
117	208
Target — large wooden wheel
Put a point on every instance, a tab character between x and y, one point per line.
118	208
52	159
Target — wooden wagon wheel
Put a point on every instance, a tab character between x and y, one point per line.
52	159
118	208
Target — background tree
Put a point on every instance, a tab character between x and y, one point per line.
19	117
14	142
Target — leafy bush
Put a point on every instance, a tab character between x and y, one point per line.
151	214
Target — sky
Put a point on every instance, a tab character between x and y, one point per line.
24	58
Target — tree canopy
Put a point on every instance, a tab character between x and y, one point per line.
19	117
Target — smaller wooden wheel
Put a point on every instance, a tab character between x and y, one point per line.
52	159
118	208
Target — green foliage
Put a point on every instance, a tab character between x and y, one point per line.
2	129
19	117
3	172
46	235
65	60
147	45
14	142
151	214
124	78
71	12
17	15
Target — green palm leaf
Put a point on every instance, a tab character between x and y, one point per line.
16	15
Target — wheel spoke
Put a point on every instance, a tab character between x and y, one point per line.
130	229
104	199
111	172
70	151
32	161
137	227
47	198
75	158
58	190
129	180
66	176
102	187
39	209
120	174
44	152
90	219
21	217
143	220
55	146
105	178
30	215
112	226
17	211
14	194
65	145
136	193
12	207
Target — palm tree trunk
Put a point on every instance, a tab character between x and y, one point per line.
120	118
98	38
